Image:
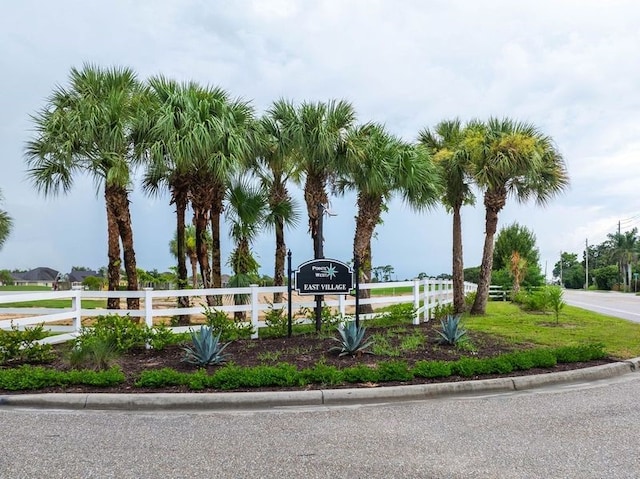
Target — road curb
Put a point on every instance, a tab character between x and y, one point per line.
320	397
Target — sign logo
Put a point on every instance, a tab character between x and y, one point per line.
323	276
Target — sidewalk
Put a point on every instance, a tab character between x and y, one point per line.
320	397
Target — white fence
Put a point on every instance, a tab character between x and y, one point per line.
424	295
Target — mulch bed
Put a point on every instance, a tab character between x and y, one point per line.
305	351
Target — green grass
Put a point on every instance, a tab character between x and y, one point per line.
576	326
56	303
392	291
48	303
25	288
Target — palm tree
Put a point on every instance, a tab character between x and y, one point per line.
320	130
6	224
378	165
190	251
86	128
274	167
624	248
246	210
446	146
510	158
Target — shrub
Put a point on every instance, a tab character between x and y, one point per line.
439	312
29	377
394	315
322	373
394	371
586	352
360	374
432	369
23	346
120	331
229	329
157	378
556	300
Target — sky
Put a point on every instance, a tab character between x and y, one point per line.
568	66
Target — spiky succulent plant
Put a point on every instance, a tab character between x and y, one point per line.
205	349
452	330
351	339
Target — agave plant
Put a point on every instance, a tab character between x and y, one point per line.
205	349
452	330
351	340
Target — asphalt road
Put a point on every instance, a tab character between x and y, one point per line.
621	305
570	431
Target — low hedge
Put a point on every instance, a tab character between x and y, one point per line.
232	376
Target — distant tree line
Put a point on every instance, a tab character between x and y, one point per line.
612	264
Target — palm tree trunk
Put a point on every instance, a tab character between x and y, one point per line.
216	257
369	211
494	202
123	218
194	270
113	245
281	252
180	199
457	266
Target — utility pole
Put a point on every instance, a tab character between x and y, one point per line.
586	263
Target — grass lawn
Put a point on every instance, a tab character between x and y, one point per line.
56	303
621	338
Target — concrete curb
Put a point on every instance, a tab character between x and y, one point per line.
325	397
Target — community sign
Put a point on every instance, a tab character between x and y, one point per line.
323	276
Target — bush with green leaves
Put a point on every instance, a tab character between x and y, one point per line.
351	339
229	329
277	322
122	332
441	311
21	345
29	377
205	349
452	331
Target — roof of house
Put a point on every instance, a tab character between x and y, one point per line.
78	276
37	274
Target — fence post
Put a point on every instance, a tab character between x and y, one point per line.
148	307
427	298
342	305
76	305
416	300
254	310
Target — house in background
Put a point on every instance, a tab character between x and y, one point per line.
76	277
36	277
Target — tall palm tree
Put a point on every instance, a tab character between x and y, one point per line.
446	145
624	248
160	133
320	130
275	166
510	158
6	224
86	128
378	165
245	212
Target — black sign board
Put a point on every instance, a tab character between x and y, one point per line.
323	276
